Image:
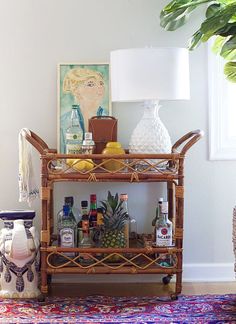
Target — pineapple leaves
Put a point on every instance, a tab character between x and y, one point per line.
220	21
113	213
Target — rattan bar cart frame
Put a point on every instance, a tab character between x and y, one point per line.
167	168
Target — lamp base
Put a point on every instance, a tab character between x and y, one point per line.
150	135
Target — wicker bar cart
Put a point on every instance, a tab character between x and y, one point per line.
140	257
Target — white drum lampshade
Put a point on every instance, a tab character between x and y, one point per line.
149	75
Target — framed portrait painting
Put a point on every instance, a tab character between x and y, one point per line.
88	87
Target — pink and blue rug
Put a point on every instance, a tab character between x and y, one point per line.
100	309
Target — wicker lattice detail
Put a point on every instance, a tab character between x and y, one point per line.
179	233
126	166
92	177
44	236
179	192
134	177
137	261
45	193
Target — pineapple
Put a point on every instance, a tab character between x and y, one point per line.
114	222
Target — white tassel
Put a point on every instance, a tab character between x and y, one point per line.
28	190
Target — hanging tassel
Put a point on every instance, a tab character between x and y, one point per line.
30	274
20	283
1	264
7	275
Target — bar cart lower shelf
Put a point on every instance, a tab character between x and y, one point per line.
143	259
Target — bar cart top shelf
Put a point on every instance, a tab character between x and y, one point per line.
125	167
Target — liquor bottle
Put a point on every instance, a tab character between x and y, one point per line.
93	211
74	134
73	210
164	234
99	217
70	202
86	241
155	219
84	216
98	231
131	224
163	227
66	228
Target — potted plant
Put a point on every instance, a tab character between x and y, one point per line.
219	22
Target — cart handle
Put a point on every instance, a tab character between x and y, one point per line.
191	138
38	143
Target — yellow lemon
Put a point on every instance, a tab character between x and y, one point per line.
80	165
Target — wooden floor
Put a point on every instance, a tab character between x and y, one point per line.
139	289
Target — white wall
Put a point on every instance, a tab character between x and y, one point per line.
36	35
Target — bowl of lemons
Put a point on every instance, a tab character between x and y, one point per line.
82	165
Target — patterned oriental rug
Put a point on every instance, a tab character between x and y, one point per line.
99	309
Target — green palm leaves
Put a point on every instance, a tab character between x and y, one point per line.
220	23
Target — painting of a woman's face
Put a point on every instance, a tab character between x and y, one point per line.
91	89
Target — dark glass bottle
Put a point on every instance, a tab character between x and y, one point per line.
93	211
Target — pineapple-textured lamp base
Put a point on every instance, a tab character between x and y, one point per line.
150	135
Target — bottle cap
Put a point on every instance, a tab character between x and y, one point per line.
123	196
69	201
88	136
164	207
99	210
66	209
93	197
75	106
160	199
84	203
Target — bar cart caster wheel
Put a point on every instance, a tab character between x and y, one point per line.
166	280
174	297
41	298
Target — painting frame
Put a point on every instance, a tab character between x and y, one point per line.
86	85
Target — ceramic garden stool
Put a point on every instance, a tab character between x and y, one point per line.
19	255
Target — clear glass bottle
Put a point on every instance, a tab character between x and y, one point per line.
155	219
66	230
124	200
74	134
88	143
164	232
73	210
163	227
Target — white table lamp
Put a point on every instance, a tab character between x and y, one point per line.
149	75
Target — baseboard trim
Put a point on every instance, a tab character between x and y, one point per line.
210	272
192	272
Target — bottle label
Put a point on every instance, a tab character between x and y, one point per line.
99	219
85	225
74	137
67	237
163	236
73	149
